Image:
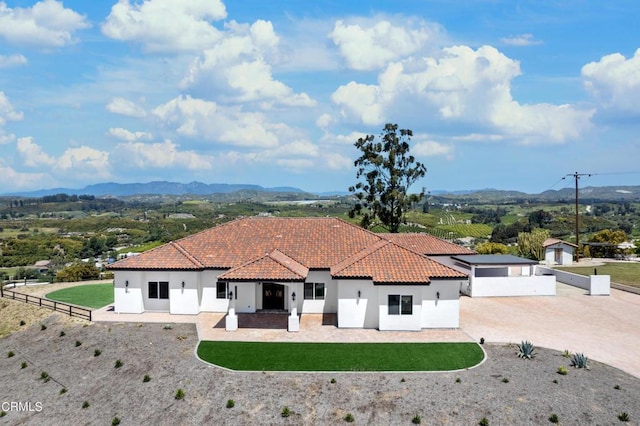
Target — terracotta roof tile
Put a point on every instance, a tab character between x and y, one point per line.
167	256
427	244
389	263
275	266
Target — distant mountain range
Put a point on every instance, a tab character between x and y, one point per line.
612	193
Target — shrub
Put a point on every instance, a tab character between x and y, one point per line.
285	412
167	326
554	418
333	380
416	420
44	376
78	343
482	340
118	364
483	422
63	391
22	322
526	350
458	380
566	353
555	381
43	327
349	418
10	354
505	380
402	380
146	378
231	403
97	352
562	370
115	421
179	394
23	365
580	361
3	413
617	387
85	404
62	334
623	417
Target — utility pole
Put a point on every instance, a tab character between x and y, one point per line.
577	176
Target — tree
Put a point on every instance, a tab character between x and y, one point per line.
388	171
530	243
608	240
491	248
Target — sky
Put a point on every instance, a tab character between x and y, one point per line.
503	94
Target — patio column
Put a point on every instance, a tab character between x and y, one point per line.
231	321
294	321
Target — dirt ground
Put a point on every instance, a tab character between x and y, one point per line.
527	396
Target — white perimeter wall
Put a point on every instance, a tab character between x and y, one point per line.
534	285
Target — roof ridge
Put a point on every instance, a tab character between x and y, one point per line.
186	254
367	251
275	259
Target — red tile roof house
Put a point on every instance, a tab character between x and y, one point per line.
306	265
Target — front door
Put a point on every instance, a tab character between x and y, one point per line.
272	296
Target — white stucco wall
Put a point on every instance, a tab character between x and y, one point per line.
354	311
400	322
566	258
330	302
208	301
445	311
544	285
127	300
184	300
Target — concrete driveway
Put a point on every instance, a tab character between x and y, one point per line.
605	328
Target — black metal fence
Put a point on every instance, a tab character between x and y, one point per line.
72	310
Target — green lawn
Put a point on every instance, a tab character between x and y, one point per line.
91	295
622	273
278	356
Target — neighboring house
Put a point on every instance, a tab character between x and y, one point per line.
504	275
306	265
42	266
558	252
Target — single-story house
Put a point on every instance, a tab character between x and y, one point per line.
558	252
306	265
504	275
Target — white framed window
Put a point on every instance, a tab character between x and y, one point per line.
314	291
158	289
399	304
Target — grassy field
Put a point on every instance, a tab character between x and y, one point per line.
278	356
91	295
622	273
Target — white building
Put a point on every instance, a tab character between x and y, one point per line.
558	252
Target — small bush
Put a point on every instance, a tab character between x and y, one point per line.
97	352
3	413
179	394
146	378
555	381
617	387
62	334
333	380
580	361
23	365
285	412
483	422
402	380
167	327
554	418
44	376
482	340
10	354
63	391
349	418
505	380
78	343
22	322
118	364
458	380
231	403
562	370
85	404
623	417
43	327
566	353
115	421
416	419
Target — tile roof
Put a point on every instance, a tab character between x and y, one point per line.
275	266
427	244
553	241
269	248
388	263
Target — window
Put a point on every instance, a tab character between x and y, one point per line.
221	290
314	291
158	289
400	304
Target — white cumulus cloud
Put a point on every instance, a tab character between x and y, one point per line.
126	135
166	25
32	153
126	107
430	148
521	40
85	162
372	45
47	23
7	113
161	155
12	61
615	81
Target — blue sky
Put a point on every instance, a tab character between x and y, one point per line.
499	94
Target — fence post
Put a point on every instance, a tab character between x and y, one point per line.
70	311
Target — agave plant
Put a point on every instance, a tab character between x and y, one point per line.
526	350
580	361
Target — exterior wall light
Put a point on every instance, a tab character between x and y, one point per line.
230	295
126	283
182	284
293	296
359	293
437	295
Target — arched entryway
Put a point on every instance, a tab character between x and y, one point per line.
273	296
